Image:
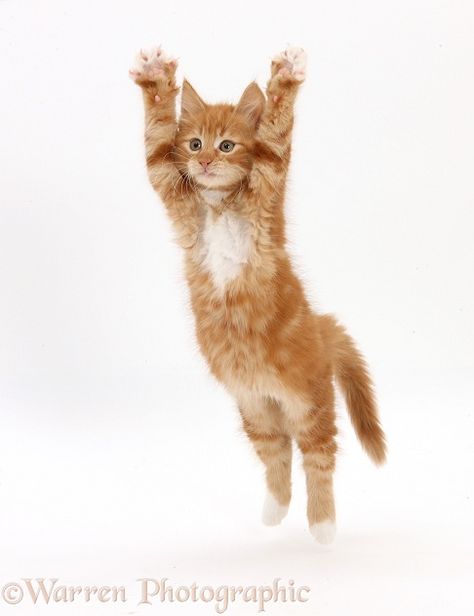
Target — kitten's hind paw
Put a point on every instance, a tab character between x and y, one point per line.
323	532
291	63
153	65
273	512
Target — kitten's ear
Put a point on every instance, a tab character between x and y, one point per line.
191	102
252	103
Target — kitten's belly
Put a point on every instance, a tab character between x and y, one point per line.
245	367
231	329
224	247
239	359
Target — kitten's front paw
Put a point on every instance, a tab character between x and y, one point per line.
291	63
153	66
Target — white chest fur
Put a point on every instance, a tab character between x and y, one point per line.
225	246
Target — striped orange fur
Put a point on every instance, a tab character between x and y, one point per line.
221	171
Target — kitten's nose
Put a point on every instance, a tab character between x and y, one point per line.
205	164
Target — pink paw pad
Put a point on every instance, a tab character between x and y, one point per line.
152	65
293	63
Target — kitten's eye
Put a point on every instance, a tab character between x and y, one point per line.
226	146
195	145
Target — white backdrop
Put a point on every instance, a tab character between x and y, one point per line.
110	425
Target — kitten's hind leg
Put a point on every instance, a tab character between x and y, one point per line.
262	421
314	429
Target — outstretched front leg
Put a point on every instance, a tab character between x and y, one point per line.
273	147
275	129
155	72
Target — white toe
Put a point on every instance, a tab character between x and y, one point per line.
273	512
323	532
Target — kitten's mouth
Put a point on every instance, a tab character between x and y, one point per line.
207	177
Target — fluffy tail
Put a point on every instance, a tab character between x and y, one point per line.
353	378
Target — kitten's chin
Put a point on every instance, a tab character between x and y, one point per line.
215	181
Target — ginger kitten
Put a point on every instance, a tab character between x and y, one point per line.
221	171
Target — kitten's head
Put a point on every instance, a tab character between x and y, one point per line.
215	143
